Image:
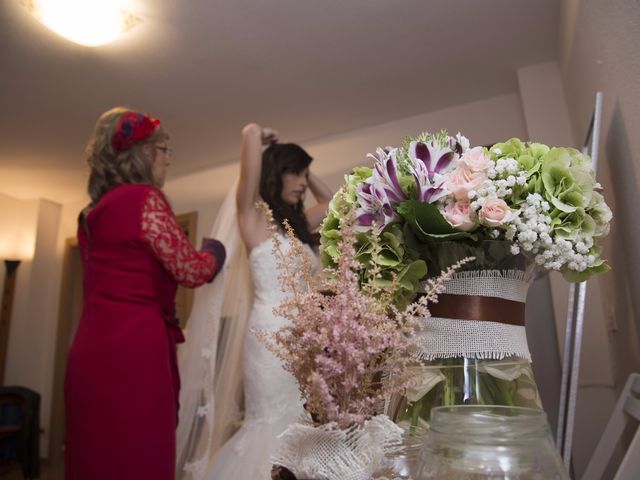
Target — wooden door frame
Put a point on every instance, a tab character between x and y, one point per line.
63	333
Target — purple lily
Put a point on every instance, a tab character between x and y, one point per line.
437	159
428	189
461	142
375	207
429	165
385	174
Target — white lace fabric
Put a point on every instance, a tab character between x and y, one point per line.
225	368
472	338
210	369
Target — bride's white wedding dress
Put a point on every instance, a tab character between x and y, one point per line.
272	398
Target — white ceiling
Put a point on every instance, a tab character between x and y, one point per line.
310	68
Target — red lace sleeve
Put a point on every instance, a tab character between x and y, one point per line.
160	229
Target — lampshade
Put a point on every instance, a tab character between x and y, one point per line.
86	22
18	225
17	245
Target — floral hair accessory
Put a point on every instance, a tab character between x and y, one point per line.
133	127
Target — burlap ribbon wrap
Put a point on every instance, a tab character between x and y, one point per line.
328	453
479	315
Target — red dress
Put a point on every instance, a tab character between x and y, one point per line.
121	386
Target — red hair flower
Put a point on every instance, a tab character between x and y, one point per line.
133	127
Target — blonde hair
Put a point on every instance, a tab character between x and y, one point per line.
109	167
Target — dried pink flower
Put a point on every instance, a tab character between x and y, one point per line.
346	344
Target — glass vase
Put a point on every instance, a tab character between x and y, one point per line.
464	381
489	442
472	350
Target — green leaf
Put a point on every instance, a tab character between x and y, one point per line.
560	205
573	197
427	221
538	149
331	250
333	234
527	162
388	258
413	272
391	239
511	148
573	276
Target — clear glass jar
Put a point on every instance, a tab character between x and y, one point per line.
489	442
403	463
464	381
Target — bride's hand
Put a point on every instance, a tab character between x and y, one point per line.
269	136
266	135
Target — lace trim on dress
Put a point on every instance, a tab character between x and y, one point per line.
171	246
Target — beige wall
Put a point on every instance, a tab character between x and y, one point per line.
37	295
599	50
32	335
547	118
24	214
483	122
36	302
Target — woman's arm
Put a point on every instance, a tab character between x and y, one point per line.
251	221
323	194
170	245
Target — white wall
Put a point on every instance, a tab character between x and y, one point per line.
36	303
34	317
547	118
600	51
483	122
23	214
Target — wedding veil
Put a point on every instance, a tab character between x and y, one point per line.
210	361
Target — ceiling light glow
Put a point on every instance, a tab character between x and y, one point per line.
87	22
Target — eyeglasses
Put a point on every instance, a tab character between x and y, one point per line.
166	150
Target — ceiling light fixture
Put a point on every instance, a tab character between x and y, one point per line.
86	22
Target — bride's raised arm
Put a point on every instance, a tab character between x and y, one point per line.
251	221
322	194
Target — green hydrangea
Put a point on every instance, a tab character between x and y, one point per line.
387	251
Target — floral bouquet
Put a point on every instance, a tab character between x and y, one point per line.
539	201
346	344
515	207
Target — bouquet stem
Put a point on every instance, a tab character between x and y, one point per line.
468	381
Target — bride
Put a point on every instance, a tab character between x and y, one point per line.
220	344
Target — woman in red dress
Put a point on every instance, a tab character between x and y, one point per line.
121	387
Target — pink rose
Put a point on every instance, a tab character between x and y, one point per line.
495	212
461	216
462	180
476	159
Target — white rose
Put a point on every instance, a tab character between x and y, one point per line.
495	212
463	180
461	216
476	159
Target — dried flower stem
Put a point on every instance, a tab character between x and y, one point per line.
345	343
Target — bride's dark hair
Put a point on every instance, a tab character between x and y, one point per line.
277	159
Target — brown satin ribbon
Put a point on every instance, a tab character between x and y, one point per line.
474	307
